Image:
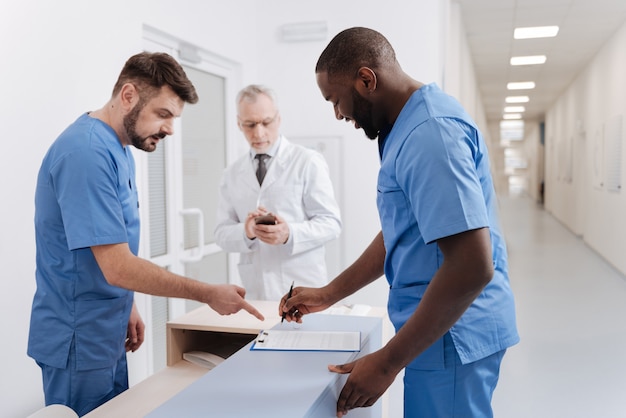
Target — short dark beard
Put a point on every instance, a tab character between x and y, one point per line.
362	114
130	124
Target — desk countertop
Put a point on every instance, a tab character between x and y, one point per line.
149	394
270	384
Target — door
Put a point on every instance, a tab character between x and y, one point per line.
178	186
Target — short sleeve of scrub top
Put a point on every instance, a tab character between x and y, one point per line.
450	199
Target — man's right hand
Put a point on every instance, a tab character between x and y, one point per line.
303	300
229	299
250	224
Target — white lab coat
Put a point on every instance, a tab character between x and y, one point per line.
296	187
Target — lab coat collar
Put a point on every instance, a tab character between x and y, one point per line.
279	162
279	153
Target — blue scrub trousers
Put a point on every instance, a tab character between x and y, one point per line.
83	390
458	391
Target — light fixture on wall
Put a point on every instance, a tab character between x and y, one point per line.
304	31
189	53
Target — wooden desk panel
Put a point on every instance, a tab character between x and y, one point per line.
205	330
150	393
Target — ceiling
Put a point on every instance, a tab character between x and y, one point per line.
585	25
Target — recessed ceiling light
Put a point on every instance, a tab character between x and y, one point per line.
517	99
528	60
535	32
514	109
512	116
521	85
511	124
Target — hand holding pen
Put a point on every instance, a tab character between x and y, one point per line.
302	301
288	296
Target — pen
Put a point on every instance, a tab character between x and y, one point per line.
288	296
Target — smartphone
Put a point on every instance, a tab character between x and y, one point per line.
268	219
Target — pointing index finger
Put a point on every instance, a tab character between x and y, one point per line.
253	311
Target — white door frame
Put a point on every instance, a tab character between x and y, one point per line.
141	363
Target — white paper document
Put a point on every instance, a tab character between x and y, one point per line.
202	358
293	340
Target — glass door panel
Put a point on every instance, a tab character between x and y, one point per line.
203	153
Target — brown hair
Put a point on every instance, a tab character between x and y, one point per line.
151	71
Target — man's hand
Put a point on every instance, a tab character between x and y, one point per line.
277	234
249	224
370	376
135	330
303	300
228	299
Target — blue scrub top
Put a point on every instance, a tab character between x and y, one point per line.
86	195
435	182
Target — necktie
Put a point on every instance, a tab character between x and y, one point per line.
262	168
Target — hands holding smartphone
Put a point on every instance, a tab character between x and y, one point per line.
267	219
267	227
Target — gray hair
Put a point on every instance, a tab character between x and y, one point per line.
252	91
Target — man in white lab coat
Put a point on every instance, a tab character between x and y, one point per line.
294	187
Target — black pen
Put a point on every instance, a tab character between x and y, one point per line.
288	296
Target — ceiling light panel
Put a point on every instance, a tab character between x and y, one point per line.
528	60
514	109
535	32
521	85
517	99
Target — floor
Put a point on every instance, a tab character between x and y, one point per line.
571	308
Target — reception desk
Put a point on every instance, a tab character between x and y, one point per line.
248	383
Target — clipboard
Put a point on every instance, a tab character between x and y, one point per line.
296	340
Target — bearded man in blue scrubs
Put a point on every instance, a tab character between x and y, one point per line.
83	318
440	248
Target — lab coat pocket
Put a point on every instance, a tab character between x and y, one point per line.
402	303
247	270
252	280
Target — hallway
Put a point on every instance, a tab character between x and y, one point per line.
571	313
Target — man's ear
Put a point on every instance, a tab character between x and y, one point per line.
129	96
365	81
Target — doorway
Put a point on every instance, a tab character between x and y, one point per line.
178	186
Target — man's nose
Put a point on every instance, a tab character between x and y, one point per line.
338	114
168	127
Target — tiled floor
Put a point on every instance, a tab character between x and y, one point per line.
571	308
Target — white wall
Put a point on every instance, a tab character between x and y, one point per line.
290	69
61	58
532	150
574	126
459	76
460	82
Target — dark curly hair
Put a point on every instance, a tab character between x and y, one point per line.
354	48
